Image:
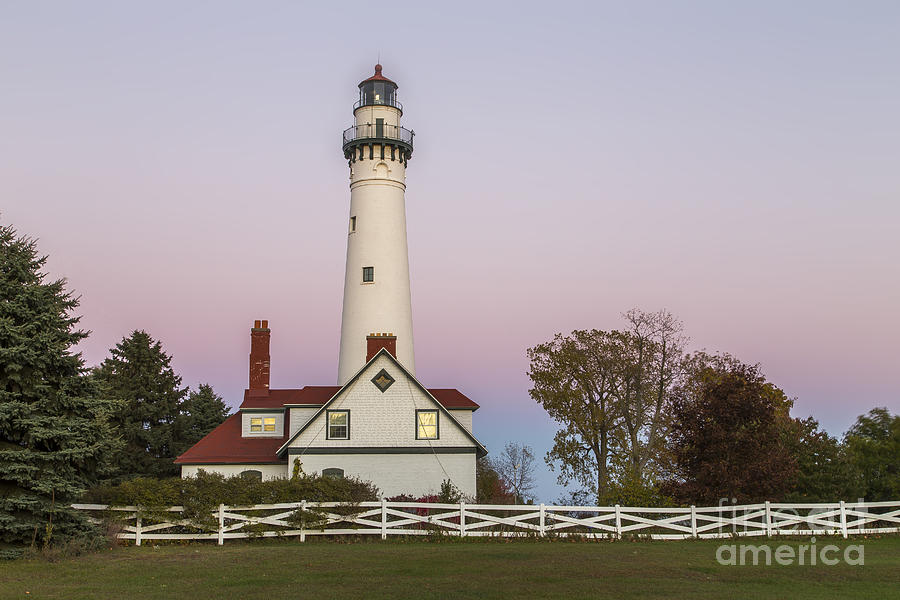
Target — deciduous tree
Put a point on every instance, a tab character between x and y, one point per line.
609	390
825	472
873	445
575	379
489	486
729	434
515	465
651	364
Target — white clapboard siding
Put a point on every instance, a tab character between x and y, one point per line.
500	520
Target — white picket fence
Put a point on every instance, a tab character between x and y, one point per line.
417	518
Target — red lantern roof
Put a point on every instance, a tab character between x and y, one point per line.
377	77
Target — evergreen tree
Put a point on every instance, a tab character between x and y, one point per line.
201	412
54	434
139	377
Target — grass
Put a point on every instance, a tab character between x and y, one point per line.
441	569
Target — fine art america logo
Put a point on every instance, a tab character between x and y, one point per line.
785	554
804	554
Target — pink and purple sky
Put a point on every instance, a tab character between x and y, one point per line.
734	164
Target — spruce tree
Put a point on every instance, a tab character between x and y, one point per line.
54	434
201	412
138	376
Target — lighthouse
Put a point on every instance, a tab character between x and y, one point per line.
377	309
380	423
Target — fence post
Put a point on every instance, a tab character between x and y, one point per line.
383	518
302	521
462	518
543	519
843	520
137	529
221	524
618	523
693	521
860	507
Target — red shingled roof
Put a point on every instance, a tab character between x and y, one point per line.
377	76
224	445
451	398
317	395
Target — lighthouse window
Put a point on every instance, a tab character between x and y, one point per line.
352	224
368	274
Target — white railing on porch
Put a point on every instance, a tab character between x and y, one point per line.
417	518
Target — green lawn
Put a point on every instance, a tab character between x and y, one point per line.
443	569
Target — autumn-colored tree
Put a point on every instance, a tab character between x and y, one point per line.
729	434
489	486
575	379
610	390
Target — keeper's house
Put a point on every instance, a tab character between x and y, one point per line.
382	426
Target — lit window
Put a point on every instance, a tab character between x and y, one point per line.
262	424
368	274
352	224
338	424
426	424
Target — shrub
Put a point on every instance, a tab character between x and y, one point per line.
201	495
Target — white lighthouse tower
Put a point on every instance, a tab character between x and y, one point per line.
376	284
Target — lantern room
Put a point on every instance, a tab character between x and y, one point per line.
378	90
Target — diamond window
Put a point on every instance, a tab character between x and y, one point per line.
383	380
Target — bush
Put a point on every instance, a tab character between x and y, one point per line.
201	495
635	491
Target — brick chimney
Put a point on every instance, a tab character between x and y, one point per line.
259	356
377	341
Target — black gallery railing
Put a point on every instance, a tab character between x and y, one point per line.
379	132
